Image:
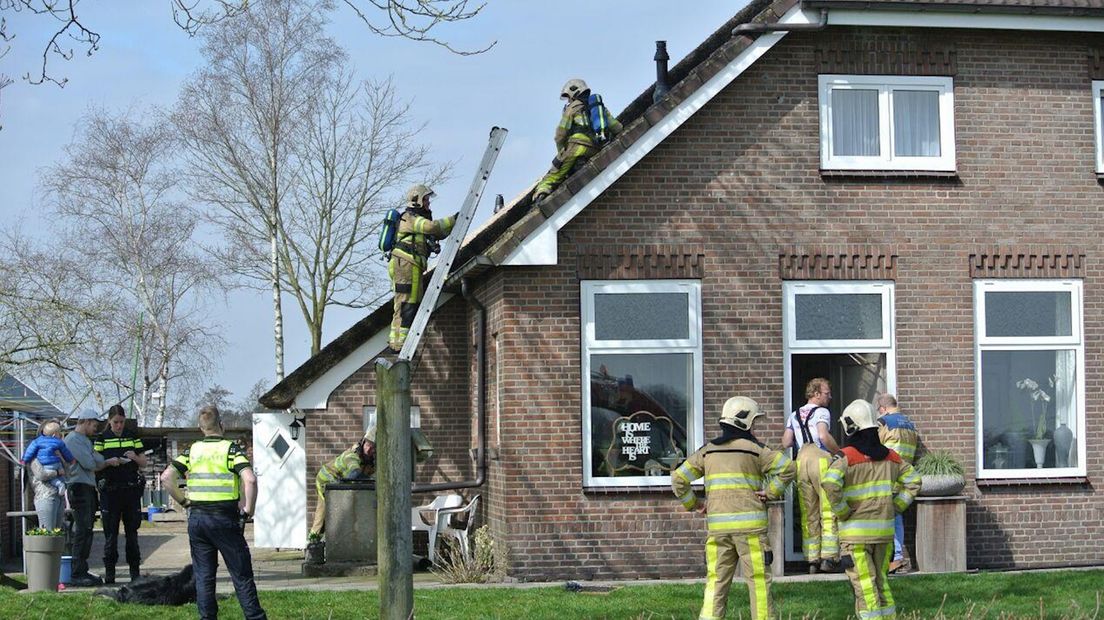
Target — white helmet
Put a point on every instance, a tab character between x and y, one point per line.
416	195
857	416
572	88
740	412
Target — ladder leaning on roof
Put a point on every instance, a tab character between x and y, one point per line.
451	245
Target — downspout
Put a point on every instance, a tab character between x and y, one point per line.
758	27
480	400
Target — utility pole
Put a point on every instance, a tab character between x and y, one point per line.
394	460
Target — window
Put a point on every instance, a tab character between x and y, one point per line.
1030	395
642	396
838	315
369	418
1098	117
878	122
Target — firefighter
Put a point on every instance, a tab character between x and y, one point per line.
899	434
810	429
740	475
576	141
866	487
417	235
359	461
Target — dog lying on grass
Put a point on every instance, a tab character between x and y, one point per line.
176	589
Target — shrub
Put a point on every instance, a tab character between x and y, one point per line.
939	463
481	566
41	531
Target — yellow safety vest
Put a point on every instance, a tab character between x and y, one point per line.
210	478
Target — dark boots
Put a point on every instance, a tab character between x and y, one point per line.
135	572
109	575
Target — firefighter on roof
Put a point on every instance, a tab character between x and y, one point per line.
741	474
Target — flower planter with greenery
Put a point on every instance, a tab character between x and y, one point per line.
316	549
940	474
43	551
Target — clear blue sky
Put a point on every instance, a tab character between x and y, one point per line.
144	57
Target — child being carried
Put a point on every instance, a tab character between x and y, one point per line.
50	452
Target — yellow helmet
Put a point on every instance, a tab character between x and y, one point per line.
416	195
859	415
572	88
740	412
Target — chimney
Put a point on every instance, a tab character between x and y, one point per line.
661	85
498	203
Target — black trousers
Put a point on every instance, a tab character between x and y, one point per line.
211	534
82	499
121	505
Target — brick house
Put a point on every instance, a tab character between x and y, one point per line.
901	196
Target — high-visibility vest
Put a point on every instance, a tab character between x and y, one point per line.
210	478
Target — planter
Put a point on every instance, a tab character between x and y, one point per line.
1038	450
938	486
316	552
43	562
1063	439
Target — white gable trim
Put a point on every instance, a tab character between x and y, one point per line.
317	394
952	19
540	247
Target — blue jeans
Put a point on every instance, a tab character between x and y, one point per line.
899	537
211	534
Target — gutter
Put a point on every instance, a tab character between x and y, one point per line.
760	27
481	402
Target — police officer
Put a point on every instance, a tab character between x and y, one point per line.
222	489
417	234
357	461
575	138
121	492
899	434
866	487
740	475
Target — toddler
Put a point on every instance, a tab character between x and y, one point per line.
50	452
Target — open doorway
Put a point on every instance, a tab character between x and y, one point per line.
853	375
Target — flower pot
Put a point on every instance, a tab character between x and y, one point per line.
1038	450
1063	439
939	486
316	552
43	562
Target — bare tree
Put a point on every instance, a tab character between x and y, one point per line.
116	190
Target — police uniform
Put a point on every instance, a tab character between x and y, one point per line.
819	540
575	144
735	467
897	433
865	494
120	500
212	467
408	264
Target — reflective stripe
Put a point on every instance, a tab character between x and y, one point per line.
710	578
867	528
841	508
866	579
688	471
832	476
210	476
714	482
867	490
758	573
736	521
689	500
779	464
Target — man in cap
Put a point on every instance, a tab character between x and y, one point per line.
899	434
82	493
576	140
866	487
416	236
359	461
741	474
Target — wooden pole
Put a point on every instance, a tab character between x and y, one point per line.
393	484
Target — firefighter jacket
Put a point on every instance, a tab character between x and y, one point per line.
574	127
897	433
866	494
344	466
416	230
733	472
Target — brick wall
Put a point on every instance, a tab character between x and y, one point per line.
741	179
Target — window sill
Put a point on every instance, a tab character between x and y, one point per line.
1100	176
890	174
983	483
633	489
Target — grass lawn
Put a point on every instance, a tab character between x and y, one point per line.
1065	594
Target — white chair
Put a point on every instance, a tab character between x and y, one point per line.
457	523
427	518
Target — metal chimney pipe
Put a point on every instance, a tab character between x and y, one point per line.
662	84
498	203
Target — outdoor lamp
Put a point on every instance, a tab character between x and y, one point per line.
296	424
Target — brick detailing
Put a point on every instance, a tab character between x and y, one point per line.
1028	261
897	56
641	262
860	262
1096	63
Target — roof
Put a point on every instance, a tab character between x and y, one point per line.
510	227
18	396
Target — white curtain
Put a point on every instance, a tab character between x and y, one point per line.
855	123
916	123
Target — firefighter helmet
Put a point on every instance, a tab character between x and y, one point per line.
572	88
857	416
415	196
740	412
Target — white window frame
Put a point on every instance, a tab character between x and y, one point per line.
370	416
1074	342
691	345
886	84
1098	124
791	289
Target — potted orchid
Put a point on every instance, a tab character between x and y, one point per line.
1040	401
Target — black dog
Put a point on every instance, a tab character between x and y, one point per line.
177	589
